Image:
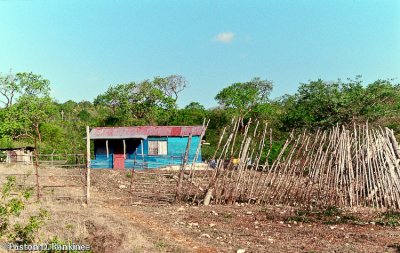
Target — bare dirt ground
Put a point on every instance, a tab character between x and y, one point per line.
116	221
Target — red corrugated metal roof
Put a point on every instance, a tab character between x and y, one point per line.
143	131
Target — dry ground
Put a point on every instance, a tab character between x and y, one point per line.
116	221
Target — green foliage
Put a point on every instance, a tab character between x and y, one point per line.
33	105
26	233
35	110
6	141
22	84
12	122
29	112
390	218
300	216
136	104
192	114
33	85
328	215
227	215
332	211
243	97
383	100
171	85
160	245
12	204
325	104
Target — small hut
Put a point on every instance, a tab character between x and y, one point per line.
17	155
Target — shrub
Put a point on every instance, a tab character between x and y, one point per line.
12	203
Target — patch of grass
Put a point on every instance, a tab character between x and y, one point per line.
128	174
161	245
69	226
332	211
227	215
349	218
329	215
334	215
300	216
390	218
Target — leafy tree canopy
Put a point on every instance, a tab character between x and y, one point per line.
243	97
22	84
138	103
324	104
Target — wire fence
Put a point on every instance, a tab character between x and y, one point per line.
50	176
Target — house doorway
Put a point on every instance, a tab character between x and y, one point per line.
119	156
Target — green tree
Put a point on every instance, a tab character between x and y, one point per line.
137	103
382	99
20	84
171	85
324	104
243	97
31	93
314	104
193	114
8	89
35	111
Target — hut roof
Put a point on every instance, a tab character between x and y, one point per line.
18	148
143	132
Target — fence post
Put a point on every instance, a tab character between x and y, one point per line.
77	160
87	164
52	159
132	173
181	172
37	171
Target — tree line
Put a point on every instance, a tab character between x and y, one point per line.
28	111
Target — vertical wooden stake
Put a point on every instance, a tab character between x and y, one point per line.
179	184
123	141
52	158
108	152
142	150
132	173
87	165
37	171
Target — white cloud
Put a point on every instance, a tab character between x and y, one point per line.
225	37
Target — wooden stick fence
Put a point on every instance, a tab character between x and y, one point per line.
356	167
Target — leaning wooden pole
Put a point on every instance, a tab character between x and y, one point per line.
181	172
393	141
132	174
87	164
203	132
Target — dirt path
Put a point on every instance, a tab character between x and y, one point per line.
155	227
152	227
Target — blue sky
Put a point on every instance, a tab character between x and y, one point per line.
82	47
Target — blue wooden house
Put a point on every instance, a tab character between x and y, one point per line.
142	147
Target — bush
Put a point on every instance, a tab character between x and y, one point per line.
12	204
